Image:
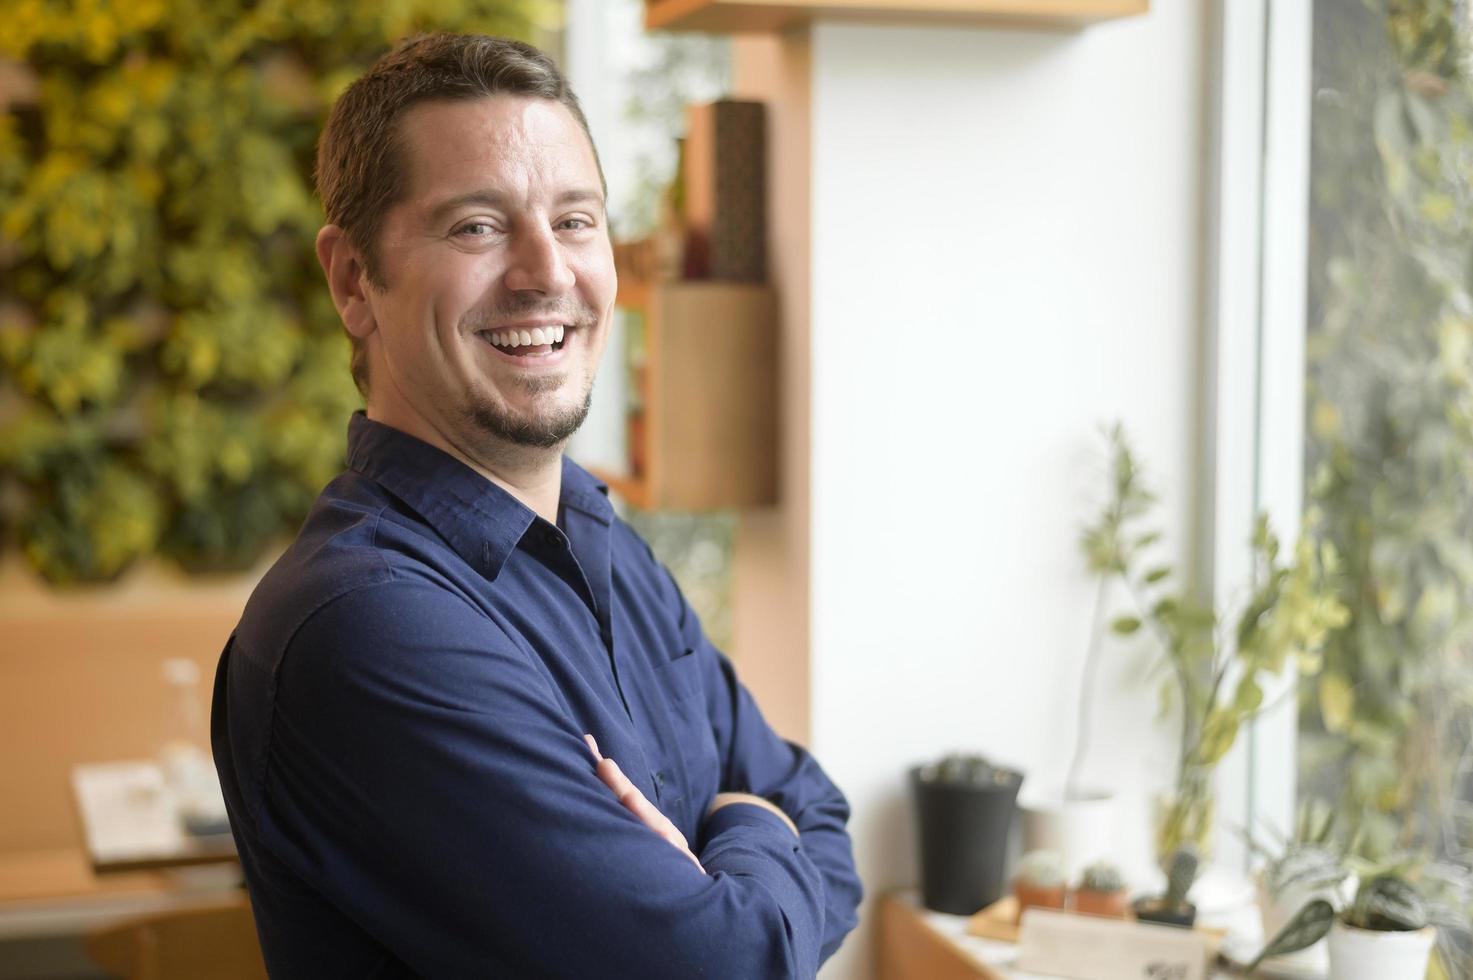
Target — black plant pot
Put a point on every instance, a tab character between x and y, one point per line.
963	841
1154	910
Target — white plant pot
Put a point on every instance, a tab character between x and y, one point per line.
1276	912
1361	954
1081	831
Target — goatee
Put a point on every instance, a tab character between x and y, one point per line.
542	432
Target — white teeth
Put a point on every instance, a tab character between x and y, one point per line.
522	338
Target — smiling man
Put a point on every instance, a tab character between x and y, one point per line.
467	725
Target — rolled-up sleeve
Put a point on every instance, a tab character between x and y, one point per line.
426	778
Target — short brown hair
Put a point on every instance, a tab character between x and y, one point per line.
360	166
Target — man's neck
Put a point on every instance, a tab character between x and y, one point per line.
532	475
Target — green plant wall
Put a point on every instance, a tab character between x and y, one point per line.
173	377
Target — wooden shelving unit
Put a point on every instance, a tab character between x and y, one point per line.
707	392
764	16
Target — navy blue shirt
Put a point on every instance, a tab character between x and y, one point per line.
398	724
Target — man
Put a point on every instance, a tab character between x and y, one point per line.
467	725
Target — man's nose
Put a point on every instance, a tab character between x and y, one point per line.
538	263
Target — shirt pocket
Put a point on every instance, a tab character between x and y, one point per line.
691	759
681	676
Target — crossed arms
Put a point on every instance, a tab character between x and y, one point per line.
472	825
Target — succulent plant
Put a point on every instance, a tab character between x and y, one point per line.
968	769
1102	876
1181	874
1042	869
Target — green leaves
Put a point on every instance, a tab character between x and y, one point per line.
1288	618
1388	903
1390	444
1337	701
1309	925
1125	625
174	373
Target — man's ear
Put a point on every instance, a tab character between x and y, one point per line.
347	280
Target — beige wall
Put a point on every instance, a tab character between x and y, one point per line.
81	680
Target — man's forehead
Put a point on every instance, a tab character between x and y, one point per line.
474	147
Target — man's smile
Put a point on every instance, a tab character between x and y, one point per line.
531	347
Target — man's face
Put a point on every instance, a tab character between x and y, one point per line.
498	275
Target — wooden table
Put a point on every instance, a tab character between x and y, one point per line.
918	944
130	822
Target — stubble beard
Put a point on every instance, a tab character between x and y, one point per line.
543	431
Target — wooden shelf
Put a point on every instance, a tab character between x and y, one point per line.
708	391
765	16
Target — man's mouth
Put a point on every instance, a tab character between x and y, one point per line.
535	342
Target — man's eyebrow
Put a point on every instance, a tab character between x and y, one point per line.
495	199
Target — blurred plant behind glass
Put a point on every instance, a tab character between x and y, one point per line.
173	377
1388	725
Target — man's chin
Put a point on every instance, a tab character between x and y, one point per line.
545	429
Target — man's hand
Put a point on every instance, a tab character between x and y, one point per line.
726	799
635	801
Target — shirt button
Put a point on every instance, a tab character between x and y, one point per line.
552	539
660	780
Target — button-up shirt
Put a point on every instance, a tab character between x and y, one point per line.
398	725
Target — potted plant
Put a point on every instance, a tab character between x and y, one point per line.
1172	908
1102	892
964	808
1309	865
1384	934
1215	675
1040	882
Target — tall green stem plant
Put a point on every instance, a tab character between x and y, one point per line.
1215	679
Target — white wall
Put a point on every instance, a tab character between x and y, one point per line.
1006	253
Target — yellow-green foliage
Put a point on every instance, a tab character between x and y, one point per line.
172	374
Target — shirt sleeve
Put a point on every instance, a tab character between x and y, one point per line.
424	776
756	760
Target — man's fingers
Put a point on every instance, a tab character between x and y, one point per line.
638	804
631	797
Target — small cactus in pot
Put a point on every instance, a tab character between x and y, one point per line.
1172	908
1101	891
1040	882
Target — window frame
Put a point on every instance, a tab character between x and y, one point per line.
1256	320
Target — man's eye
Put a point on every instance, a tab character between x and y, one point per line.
577	224
474	229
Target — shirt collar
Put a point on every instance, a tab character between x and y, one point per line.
480	520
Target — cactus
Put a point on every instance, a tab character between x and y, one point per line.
1042	869
1181	875
1104	877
